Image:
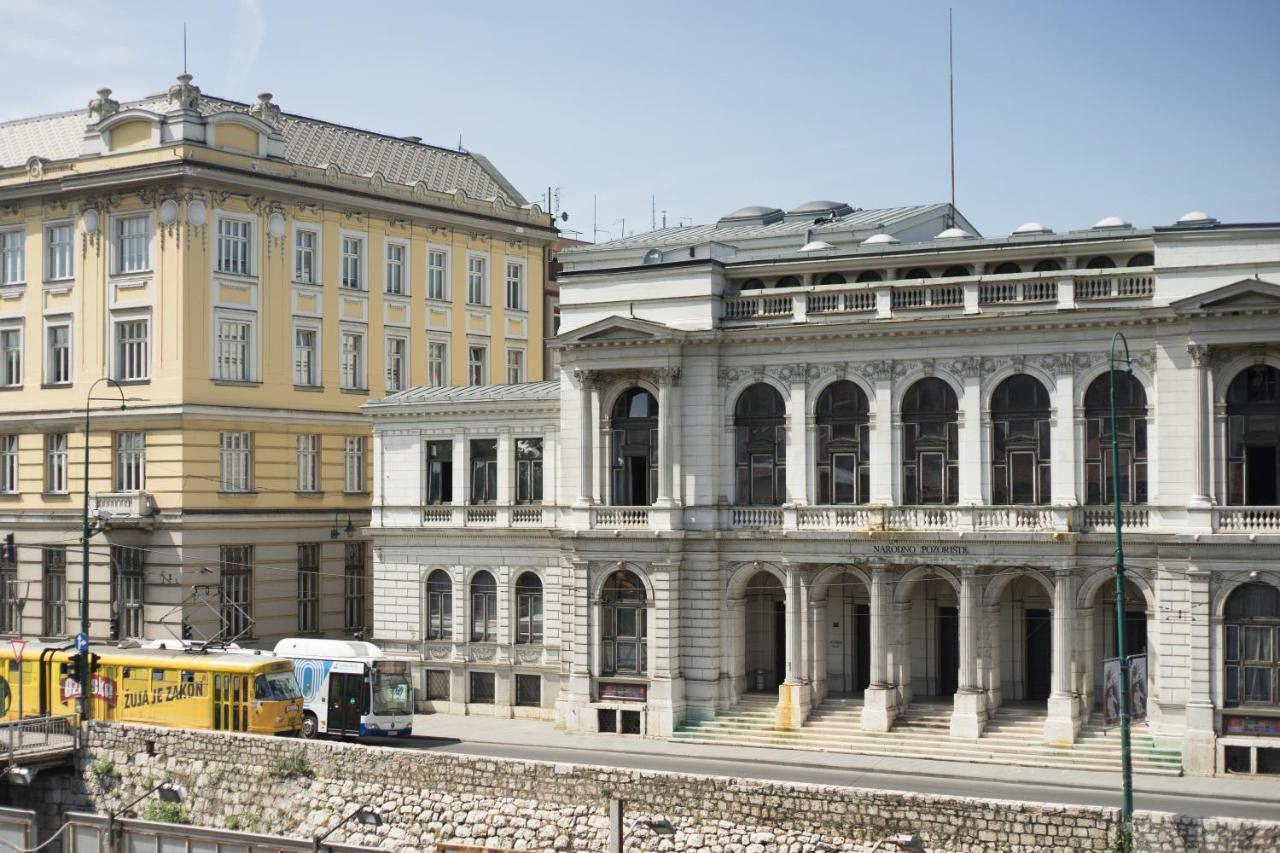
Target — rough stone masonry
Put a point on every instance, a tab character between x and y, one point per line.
302	788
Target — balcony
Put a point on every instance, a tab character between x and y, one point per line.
485	515
1246	519
124	509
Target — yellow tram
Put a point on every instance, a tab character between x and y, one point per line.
235	691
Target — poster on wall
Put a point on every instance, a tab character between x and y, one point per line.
1111	690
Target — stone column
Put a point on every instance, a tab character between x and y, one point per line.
506	468
972	435
879	704
793	694
460	465
884	455
666	687
995	689
1202	443
797	415
586	437
969	711
579	645
1063	721
668	417
1063	447
1199	740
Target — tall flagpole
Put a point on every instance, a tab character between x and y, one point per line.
951	83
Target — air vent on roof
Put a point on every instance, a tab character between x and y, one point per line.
653	256
412	138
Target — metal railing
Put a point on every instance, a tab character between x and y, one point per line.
39	736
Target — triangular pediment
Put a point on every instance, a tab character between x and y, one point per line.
618	329
1249	294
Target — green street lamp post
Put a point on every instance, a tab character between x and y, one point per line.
1122	651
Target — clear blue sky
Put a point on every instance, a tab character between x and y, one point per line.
1066	112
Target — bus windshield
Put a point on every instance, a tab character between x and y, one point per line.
392	693
276	686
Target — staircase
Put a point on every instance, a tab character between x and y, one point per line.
1015	735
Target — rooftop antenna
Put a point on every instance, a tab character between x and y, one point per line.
951	83
184	47
653	212
595	228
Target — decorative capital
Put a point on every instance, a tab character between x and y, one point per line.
667	375
584	379
1199	353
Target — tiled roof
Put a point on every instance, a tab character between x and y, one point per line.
522	392
307	142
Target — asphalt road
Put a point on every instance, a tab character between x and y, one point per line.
1266	806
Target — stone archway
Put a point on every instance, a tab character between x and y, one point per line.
840	606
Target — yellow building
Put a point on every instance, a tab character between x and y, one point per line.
249	278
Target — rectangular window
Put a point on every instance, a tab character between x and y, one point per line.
235	461
353	464
482	688
355	584
528	470
477	359
233	342
133	244
515	366
396	360
128	576
484	470
53	572
437	274
437	685
235	238
236	586
55	467
308	588
131	461
12	257
437	363
528	690
304	256
57	357
308	463
306	358
11	353
59	252
9	464
477	280
352	263
439	472
352	367
515	286
132	350
395	269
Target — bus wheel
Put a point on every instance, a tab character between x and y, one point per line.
310	726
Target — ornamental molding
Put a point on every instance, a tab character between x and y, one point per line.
585	379
967	367
666	375
527	655
1058	364
436	651
727	376
877	371
796	374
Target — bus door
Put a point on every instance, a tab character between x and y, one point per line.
231	702
346	697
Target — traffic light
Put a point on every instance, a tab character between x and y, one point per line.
95	662
73	665
9	550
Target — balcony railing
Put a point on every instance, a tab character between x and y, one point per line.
1115	287
620	518
1247	519
125	509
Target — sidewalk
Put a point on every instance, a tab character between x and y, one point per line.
610	749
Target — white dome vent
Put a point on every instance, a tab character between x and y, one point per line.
1032	228
816	246
1111	222
879	239
1196	217
954	234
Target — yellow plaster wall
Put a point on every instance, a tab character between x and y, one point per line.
130	134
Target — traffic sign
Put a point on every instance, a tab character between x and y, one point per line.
18	646
82	643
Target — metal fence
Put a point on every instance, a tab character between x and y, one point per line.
36	736
89	833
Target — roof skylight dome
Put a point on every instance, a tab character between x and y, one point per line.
1033	228
953	234
1196	217
880	238
760	214
816	246
1112	222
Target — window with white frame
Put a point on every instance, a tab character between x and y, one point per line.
515	286
131	461
54	589
132	348
235	242
437	363
477	283
235	461
59	251
353	464
132	243
128	579
8	464
234	336
304	255
397	349
55	463
394	283
352	365
308	587
306	357
353	263
309	463
477	362
11	357
515	366
437	274
57	355
12	257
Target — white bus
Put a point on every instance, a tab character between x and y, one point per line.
349	688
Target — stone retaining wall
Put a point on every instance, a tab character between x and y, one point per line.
301	788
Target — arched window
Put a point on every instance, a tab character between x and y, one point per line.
918	272
1253	437
759	420
484	608
634	430
832	278
787	281
752	284
529	609
624	625
930	460
1142	259
1252	622
439	606
1102	262
1020	442
1007	268
868	276
956	271
1131	433
844	444
1047	266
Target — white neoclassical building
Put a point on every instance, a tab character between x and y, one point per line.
862	459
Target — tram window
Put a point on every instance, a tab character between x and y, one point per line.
127	672
158	674
188	677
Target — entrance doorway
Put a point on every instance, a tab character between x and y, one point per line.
948	650
1038	633
765	633
1260	475
843	634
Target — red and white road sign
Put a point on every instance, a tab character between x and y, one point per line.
18	646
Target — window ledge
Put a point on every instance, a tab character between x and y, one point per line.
237	494
49	385
10	387
10	496
307	283
361	391
60	282
308	387
238	276
439	300
348	289
131	274
146	381
55	495
624	679
308	494
252	383
360	494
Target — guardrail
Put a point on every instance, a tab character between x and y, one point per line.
36	736
1247	519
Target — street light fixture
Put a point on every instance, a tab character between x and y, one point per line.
366	815
1122	651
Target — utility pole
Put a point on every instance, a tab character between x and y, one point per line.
1122	651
